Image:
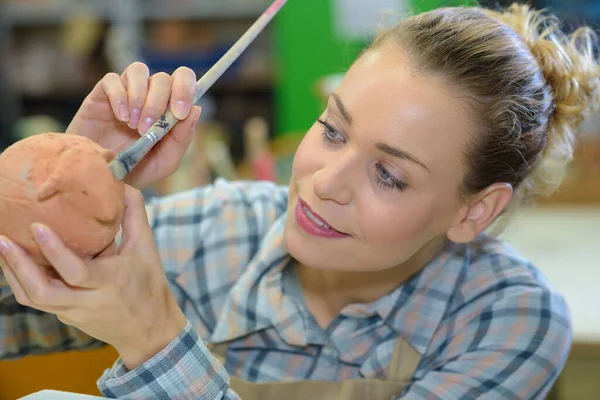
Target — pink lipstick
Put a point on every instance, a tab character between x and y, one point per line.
314	224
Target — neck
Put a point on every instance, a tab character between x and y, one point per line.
328	292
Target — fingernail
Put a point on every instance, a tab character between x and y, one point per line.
4	246
40	233
123	112
134	118
181	109
145	125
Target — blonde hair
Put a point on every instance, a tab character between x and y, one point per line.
528	85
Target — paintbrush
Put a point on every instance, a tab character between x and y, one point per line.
125	161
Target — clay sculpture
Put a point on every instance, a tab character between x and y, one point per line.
63	181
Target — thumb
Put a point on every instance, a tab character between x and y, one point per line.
136	228
183	133
177	142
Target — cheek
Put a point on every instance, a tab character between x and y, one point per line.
307	157
411	221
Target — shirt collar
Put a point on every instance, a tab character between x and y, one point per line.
256	301
414	310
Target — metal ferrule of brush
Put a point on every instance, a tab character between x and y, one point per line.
122	165
128	159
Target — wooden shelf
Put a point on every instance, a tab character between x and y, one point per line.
36	13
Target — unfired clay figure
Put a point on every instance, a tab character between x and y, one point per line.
63	181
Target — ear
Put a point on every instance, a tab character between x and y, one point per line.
480	212
55	181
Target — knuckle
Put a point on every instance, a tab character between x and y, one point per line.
122	281
134	196
110	76
136	99
162	77
153	109
186	72
187	90
172	167
137	195
64	319
38	294
78	279
141	67
23	300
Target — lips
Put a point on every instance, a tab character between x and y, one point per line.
314	224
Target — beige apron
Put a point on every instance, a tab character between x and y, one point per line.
403	364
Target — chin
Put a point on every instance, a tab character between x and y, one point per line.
309	252
316	253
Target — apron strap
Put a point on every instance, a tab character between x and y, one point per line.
404	362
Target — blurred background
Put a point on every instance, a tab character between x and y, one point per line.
54	51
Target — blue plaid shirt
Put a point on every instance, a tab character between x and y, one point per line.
485	322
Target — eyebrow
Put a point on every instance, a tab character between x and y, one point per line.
399	153
342	108
379	145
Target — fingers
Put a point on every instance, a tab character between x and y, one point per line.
164	91
68	265
183	132
174	146
140	99
14	284
182	92
116	93
159	92
31	283
135	80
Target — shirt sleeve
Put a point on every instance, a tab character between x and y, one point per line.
205	238
185	369
510	342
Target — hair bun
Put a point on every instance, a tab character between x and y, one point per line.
567	61
569	66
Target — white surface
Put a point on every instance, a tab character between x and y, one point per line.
564	244
57	395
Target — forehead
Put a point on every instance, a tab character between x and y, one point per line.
417	113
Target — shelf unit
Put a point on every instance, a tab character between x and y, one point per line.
133	10
126	17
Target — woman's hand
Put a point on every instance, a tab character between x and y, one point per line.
121	297
121	108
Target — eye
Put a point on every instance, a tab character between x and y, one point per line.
330	135
386	180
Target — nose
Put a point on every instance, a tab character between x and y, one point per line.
334	180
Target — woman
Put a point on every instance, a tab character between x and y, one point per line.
371	276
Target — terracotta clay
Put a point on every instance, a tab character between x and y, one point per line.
63	181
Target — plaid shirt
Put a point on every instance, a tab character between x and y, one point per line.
485	322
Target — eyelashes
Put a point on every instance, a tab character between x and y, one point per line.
381	175
387	180
330	135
